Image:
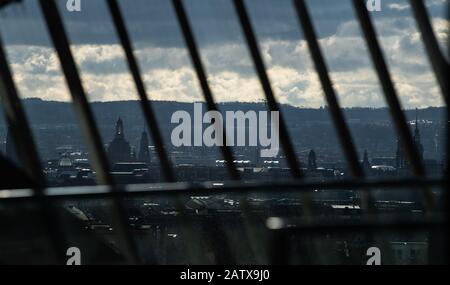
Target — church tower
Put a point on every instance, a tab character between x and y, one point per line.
119	129
144	154
417	141
366	163
119	149
312	164
400	158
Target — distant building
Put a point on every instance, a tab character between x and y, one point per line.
314	172
400	158
388	161
119	149
312	164
367	167
401	162
66	169
417	139
144	154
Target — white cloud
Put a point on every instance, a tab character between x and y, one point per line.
397	6
168	75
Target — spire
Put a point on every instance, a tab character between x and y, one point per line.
366	164
417	123
312	165
119	149
400	158
416	130
417	139
133	153
401	162
416	116
144	154
119	128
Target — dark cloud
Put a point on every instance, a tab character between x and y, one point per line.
166	66
214	21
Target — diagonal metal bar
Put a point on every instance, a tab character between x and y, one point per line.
27	153
20	130
147	110
80	102
144	101
151	119
4	3
100	163
438	62
447	160
272	103
441	70
333	104
390	94
340	125
15	176
201	75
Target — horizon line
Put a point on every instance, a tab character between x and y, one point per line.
236	102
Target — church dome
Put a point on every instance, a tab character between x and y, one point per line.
65	162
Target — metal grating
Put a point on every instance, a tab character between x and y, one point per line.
27	150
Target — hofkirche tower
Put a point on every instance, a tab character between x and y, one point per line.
119	149
400	158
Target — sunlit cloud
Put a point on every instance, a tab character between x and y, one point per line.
168	75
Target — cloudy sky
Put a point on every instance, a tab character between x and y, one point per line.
166	68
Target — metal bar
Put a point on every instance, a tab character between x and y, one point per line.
148	112
340	125
80	102
272	103
4	3
207	93
201	75
20	130
377	225
438	62
390	94
441	70
15	177
168	189
28	154
447	165
144	100
96	151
